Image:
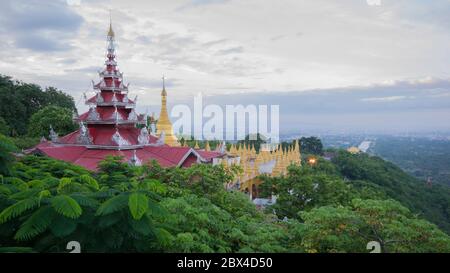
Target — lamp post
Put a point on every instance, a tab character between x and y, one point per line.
312	161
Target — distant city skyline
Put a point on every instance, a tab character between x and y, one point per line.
336	66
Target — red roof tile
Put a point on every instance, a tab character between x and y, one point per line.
165	155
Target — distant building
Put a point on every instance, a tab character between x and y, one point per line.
272	160
364	146
354	150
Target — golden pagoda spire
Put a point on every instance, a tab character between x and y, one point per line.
164	124
297	153
276	170
110	31
196	145
249	150
259	158
296	146
231	150
207	148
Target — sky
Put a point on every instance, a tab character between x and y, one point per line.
338	66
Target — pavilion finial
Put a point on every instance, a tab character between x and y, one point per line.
164	82
110	31
164	92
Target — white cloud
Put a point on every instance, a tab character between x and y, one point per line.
386	99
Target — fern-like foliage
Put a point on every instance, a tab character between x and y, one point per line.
113	204
44	194
24	194
16	250
18	209
87	179
143	226
64	182
138	204
36	184
63	226
37	223
67	206
4	190
85	201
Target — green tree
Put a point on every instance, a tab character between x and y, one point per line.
311	145
6	158
45	203
59	118
21	100
4	128
25	142
349	229
305	188
391	181
45	210
57	97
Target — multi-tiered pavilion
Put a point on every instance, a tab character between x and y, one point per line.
112	127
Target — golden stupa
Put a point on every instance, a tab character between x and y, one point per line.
164	124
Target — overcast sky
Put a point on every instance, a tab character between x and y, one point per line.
339	65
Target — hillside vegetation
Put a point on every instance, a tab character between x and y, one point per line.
45	203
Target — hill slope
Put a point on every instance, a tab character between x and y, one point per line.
431	202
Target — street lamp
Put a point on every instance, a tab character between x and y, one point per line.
312	161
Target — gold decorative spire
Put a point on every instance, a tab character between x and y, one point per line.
164	92
164	123
207	148
296	146
110	31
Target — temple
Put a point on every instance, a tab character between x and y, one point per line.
271	160
111	126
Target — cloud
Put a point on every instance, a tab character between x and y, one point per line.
199	3
207	2
40	25
215	42
144	39
277	37
386	99
432	14
378	107
232	50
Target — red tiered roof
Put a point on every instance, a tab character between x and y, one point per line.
89	158
107	97
108	134
102	136
106	114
